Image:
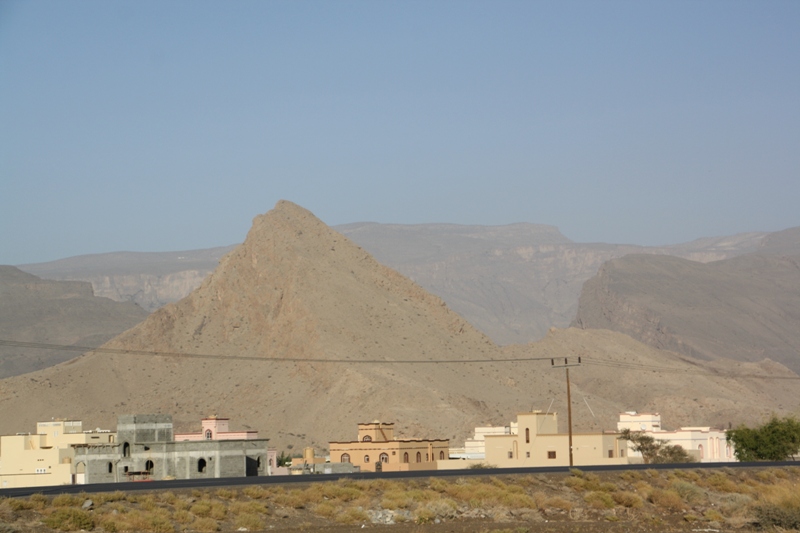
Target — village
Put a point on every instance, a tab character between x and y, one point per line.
145	447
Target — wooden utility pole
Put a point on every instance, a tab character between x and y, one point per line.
566	366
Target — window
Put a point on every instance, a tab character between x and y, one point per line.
700	448
366	438
527	435
551	454
366	458
110	467
441	456
384	458
208	434
405	457
126	450
201	466
345	458
610	454
527	454
149	466
510	455
419	457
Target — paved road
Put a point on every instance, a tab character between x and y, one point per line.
285	480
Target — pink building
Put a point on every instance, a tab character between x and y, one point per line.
216	428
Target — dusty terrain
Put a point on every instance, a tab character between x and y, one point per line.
645	500
301	334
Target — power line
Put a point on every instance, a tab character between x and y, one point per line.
183	355
622	365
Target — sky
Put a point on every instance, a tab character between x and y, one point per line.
164	126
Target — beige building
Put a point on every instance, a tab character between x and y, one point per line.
45	458
378	450
538	443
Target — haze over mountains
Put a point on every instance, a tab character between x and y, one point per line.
54	312
511	282
746	308
301	334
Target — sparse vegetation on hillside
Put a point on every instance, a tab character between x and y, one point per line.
639	500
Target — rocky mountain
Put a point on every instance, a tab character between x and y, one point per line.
301	334
149	279
746	308
512	282
54	312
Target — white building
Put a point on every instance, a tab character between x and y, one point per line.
705	444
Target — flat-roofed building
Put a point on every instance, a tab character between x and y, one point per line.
378	450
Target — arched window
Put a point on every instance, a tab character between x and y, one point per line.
345	457
427	457
126	450
419	457
208	434
201	466
270	463
149	466
384	458
110	467
366	438
366	458
527	435
441	456
700	448
405	457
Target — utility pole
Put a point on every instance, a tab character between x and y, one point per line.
566	366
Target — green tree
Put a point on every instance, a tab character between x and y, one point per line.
655	451
776	440
284	459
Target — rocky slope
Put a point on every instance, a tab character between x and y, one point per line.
746	308
512	282
54	312
302	334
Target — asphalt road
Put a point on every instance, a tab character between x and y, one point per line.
286	480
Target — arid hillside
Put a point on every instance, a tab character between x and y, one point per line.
512	282
54	312
301	334
745	308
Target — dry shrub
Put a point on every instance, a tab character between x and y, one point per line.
557	502
249	521
250	507
575	483
631	475
106	497
689	492
226	494
396	499
539	498
66	500
326	509
218	511
257	492
779	507
712	515
70	519
205	525
294	498
39	501
183	516
335	491
201	509
627	499
720	482
667	499
599	500
351	515
734	505
688	475
516	500
443	508
157	521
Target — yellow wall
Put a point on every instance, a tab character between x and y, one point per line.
44	459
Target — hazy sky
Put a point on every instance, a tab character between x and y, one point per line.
154	126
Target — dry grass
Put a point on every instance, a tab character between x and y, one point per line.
736	498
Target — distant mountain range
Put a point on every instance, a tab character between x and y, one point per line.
512	282
301	333
55	312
